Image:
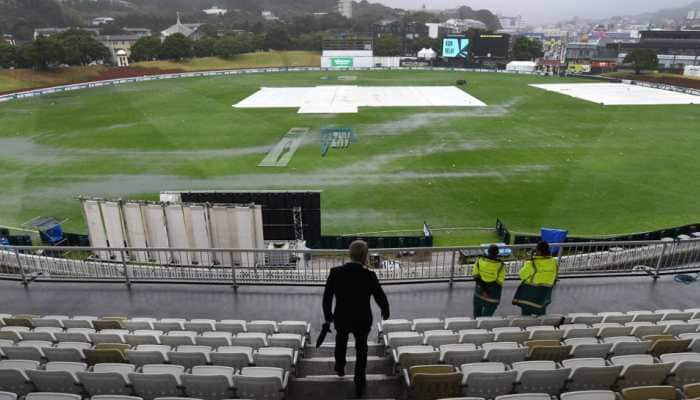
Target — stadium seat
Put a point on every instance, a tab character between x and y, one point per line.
540	377
640	370
157	381
591	374
214	339
691	391
261	383
525	322
525	396
649	393
167	325
139	324
408	356
148	354
232	356
616	317
114	397
476	336
457	324
280	357
58	377
200	325
589	395
436	338
504	352
143	336
510	334
302	328
458	354
394	325
80	322
233	326
26	350
686	368
104	383
7	396
549	353
546	332
13	377
626	345
44	334
428	382
584	318
52	396
102	324
666	346
421	325
255	340
487	379
294	341
209	382
74	335
490	323
588	347
266	327
572	331
403	338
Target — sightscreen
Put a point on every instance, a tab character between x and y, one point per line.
455	47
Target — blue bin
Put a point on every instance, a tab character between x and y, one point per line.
550	235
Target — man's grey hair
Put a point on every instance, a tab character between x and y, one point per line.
359	251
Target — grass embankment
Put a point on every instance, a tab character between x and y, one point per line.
23	79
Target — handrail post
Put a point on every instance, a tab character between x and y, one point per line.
25	282
452	267
658	262
127	278
233	272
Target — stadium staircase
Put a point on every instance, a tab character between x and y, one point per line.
631	355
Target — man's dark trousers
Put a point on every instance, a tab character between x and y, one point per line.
341	347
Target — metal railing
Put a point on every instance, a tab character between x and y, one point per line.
311	267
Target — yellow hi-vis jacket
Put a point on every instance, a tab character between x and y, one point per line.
540	271
489	270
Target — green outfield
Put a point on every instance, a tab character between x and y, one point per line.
531	158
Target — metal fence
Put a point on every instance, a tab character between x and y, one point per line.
310	267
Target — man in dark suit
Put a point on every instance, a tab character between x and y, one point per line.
352	285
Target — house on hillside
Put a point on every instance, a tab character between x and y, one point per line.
189	30
119	47
215	10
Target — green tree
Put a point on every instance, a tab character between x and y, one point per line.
387	46
204	47
309	41
228	46
146	49
176	47
526	49
43	53
8	55
277	38
209	30
81	48
642	59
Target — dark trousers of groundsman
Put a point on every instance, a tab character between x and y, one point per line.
341	347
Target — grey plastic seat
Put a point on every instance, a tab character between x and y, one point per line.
686	369
97	338
534	377
403	338
140	337
421	325
408	356
504	352
104	383
458	354
647	330
280	357
640	370
525	396
214	339
136	325
79	322
167	326
589	350
394	325
294	341
577	331
44	334
58	377
151	385
209	382
75	335
189	356
510	334
255	340
584	318
26	350
261	383
122	369
200	325
546	332
13	377
589	395
490	323
66	351
302	328
437	338
114	397
591	374
616	317
457	324
262	326
233	326
525	322
476	336
7	396
232	356
148	354
52	396
487	379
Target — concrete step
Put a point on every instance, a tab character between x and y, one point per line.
325	387
327	349
325	365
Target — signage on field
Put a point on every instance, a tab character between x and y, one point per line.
455	47
342	62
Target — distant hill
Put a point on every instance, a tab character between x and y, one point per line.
20	17
678	13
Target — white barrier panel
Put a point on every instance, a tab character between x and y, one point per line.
177	233
220	235
96	231
113	226
198	232
135	230
157	233
244	231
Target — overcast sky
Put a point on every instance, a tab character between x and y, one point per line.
539	11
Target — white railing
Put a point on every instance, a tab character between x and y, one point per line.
310	267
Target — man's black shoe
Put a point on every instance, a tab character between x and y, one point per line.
339	371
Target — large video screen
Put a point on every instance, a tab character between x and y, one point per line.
491	46
455	47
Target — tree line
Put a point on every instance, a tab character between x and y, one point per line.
72	47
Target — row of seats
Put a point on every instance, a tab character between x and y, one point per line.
148	381
459	323
134	338
496	379
163	324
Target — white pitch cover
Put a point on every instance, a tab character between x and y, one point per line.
135	230
156	230
96	230
220	234
177	233
196	223
113	227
